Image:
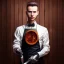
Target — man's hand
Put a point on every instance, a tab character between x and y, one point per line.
34	58
18	51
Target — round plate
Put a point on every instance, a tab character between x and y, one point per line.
31	37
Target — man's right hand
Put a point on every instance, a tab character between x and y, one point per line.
18	51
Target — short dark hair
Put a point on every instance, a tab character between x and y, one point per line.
32	4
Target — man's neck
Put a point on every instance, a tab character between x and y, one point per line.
30	22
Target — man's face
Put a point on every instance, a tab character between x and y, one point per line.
32	12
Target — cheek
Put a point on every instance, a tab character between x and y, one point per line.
36	14
28	14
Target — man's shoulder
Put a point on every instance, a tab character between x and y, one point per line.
41	27
21	27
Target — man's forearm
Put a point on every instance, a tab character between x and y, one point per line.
44	51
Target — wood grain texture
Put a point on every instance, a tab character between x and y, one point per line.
13	14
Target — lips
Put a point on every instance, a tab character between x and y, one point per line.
32	17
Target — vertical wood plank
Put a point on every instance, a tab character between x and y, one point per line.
12	30
37	19
16	13
59	31
24	12
9	32
50	33
16	19
46	13
41	12
20	12
4	33
54	29
0	31
63	27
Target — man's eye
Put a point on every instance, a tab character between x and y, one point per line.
34	11
29	11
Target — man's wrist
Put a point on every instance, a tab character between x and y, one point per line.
37	56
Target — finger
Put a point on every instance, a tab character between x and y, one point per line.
34	57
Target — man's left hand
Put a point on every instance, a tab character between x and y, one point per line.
34	58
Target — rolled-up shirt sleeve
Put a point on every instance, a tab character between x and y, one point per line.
46	47
17	40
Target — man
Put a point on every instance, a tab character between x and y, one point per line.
31	40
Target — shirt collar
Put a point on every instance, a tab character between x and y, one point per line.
26	26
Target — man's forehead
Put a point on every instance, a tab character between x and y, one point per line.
32	8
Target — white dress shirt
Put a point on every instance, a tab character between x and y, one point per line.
43	38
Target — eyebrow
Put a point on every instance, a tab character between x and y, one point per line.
31	11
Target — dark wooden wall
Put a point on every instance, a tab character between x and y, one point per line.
12	14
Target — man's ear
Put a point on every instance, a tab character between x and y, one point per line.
37	12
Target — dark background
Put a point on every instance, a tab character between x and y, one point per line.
51	15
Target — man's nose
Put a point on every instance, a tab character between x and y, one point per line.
31	13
